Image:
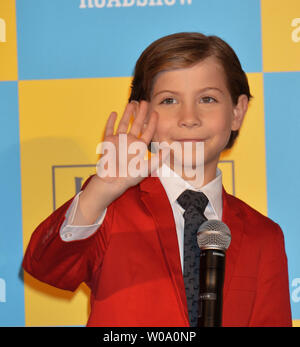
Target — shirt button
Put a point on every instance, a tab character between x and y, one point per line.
68	235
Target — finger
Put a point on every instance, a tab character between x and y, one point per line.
139	120
149	130
109	128
124	122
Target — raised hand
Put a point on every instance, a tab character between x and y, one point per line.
117	168
123	160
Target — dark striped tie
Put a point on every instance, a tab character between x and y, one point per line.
194	204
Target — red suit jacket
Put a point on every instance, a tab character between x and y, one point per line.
132	263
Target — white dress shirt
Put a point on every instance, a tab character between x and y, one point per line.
174	185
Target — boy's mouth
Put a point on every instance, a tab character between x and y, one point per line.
191	140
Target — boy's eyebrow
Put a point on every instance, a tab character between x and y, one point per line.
199	91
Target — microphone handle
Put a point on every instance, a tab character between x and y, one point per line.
212	270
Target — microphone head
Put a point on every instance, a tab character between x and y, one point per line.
213	234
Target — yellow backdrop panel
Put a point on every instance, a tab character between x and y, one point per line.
61	122
248	152
8	41
281	35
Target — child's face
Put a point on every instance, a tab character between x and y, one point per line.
194	104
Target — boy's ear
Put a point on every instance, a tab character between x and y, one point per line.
239	112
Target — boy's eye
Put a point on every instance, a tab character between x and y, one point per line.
169	101
207	100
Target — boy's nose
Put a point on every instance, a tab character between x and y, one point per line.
189	118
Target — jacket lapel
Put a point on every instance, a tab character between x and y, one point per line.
155	199
232	217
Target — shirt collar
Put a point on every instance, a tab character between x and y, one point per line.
174	185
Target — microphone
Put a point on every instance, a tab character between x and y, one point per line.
213	239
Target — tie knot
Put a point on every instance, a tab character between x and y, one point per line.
191	198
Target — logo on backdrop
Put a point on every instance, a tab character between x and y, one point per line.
130	3
2	30
2	290
296	290
67	181
296	32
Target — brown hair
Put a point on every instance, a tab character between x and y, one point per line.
183	50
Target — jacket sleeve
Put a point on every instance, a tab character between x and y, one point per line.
64	264
272	304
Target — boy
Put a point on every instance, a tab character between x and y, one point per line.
124	236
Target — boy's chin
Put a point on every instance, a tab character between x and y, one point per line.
189	162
